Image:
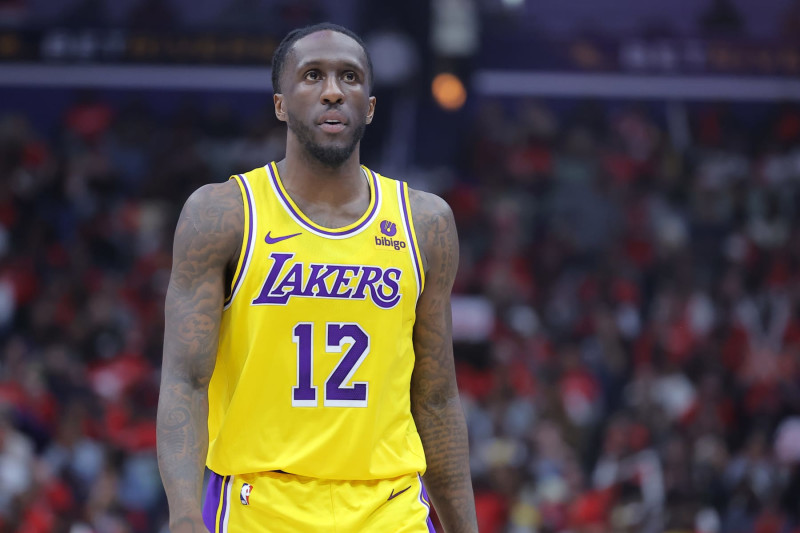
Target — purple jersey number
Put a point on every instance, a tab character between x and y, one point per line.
304	394
337	392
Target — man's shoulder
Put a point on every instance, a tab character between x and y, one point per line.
215	199
423	204
216	211
427	204
212	194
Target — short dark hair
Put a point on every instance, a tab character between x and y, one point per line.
285	46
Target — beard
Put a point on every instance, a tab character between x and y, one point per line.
329	156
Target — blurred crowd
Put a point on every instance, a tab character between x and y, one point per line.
627	311
86	221
639	272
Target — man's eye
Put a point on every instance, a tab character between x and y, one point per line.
312	75
350	76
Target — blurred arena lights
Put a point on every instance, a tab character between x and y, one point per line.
449	91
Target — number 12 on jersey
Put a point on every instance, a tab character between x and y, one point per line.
336	391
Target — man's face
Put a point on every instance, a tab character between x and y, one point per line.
325	99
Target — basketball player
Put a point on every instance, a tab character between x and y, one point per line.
308	356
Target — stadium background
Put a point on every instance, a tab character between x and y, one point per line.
625	179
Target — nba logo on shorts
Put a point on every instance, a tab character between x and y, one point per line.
244	496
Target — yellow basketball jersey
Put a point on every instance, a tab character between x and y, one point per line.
315	353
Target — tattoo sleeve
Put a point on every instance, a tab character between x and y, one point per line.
435	402
206	239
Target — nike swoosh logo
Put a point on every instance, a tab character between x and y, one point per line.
269	239
393	495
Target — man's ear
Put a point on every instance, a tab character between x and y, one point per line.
280	111
371	109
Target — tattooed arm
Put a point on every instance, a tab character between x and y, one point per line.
435	403
207	241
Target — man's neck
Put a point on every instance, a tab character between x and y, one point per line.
310	181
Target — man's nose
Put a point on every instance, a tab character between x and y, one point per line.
331	91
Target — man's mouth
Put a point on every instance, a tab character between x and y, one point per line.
332	126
